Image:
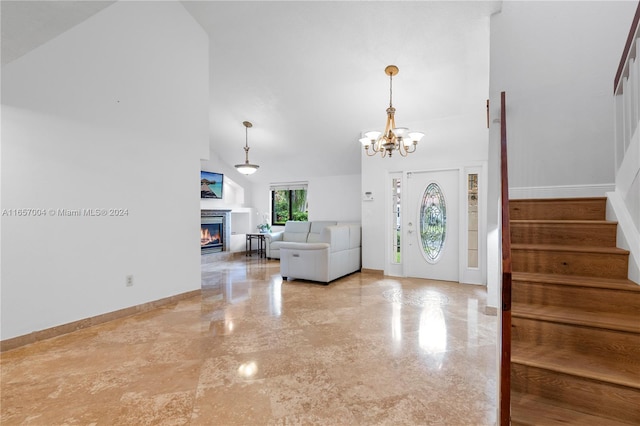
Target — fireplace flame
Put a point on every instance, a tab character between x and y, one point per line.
207	238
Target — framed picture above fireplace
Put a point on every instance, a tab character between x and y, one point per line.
211	185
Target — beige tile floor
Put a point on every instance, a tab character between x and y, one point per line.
253	350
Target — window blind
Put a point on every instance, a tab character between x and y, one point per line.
290	186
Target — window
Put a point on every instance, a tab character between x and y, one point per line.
288	202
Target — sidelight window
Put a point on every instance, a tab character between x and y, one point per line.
396	222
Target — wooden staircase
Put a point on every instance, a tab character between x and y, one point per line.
575	317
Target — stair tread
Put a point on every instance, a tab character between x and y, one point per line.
577	280
600	368
534	410
561	314
563	221
569	248
567	199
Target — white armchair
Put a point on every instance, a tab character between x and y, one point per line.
336	254
293	232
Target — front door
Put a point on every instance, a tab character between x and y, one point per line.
431	225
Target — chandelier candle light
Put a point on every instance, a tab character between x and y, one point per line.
247	168
393	138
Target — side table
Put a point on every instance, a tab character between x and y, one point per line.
261	244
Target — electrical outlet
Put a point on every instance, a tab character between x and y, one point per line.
129	280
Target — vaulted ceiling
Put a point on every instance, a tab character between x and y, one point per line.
310	75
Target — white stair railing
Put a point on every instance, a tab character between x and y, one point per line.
625	201
627	94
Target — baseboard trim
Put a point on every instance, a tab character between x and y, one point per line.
48	333
221	256
561	191
372	271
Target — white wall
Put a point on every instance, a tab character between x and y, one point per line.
557	61
335	198
330	198
110	114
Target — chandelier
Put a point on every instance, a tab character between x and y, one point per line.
393	138
247	168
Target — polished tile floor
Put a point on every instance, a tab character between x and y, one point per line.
253	350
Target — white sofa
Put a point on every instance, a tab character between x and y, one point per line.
331	253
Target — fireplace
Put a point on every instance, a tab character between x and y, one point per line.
211	235
214	231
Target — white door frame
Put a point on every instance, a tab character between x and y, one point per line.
466	275
393	269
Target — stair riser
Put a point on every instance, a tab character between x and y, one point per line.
603	235
587	298
577	209
593	397
619	345
612	265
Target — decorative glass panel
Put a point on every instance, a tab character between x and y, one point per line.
433	222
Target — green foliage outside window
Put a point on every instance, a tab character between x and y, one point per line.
289	205
300	216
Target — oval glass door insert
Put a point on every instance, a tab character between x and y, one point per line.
433	222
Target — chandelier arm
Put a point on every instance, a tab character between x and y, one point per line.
415	146
402	149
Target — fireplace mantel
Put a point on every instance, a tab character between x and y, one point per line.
205	213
